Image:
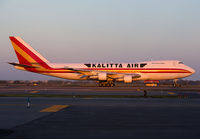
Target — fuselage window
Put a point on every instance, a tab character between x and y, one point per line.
157	63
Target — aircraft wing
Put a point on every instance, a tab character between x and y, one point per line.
111	75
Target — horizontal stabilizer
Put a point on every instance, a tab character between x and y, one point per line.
22	65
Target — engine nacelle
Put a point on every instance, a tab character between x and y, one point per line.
102	76
128	79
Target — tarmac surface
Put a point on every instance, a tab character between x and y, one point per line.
99	118
104	91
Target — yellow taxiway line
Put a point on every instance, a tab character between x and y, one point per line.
54	108
171	93
33	92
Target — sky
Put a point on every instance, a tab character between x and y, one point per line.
86	31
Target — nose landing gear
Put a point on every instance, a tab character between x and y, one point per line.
175	84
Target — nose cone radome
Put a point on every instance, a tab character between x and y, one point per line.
192	71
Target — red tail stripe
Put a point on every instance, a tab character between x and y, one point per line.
35	57
24	61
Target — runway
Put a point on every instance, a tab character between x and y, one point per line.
70	118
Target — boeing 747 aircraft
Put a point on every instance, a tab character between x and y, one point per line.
105	73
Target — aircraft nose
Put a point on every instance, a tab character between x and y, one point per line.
192	71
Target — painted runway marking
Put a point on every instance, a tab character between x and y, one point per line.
33	92
54	108
171	93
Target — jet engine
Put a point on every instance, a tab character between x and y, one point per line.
127	79
102	76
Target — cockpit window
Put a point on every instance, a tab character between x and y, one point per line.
180	62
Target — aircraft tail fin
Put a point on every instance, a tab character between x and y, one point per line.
26	54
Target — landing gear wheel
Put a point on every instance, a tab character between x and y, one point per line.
106	84
111	84
175	84
100	84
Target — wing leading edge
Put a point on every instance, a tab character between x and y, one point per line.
93	73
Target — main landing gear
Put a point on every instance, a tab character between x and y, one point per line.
106	84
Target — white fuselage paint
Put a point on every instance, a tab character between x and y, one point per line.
153	70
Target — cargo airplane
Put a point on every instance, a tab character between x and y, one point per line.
105	73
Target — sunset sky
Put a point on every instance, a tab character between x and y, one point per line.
101	31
